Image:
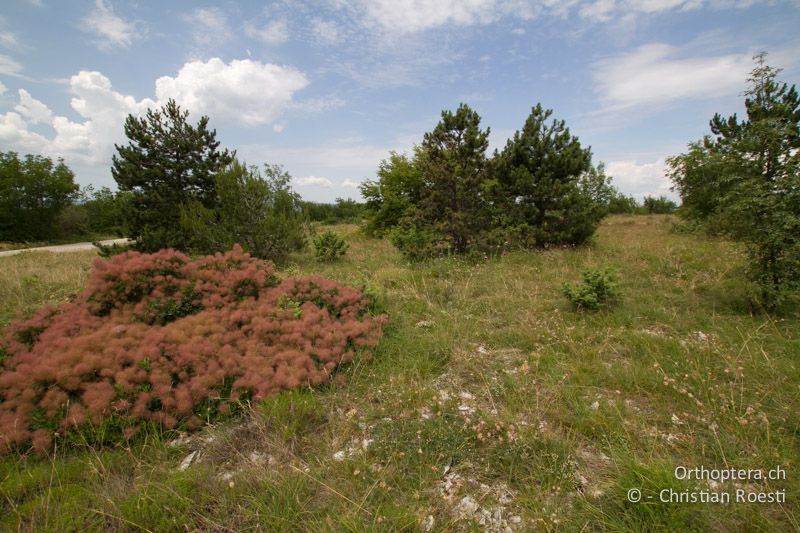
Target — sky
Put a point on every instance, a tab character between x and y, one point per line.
328	88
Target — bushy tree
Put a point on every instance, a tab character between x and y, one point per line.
746	180
259	212
167	163
397	189
33	193
542	189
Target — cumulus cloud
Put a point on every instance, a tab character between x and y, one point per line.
350	183
654	75
32	109
209	26
245	91
640	179
87	141
314	181
275	32
248	92
111	30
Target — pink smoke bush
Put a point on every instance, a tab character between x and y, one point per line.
160	338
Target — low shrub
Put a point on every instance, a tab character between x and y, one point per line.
329	247
160	340
599	288
415	244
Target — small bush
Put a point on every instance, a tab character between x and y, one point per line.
329	247
415	244
599	288
163	341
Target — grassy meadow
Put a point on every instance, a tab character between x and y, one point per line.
490	405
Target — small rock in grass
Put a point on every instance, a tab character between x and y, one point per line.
187	461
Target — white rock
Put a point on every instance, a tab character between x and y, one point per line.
428	523
187	461
467	507
339	456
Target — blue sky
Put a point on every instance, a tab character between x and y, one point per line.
328	88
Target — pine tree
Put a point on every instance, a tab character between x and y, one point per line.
167	163
452	161
537	184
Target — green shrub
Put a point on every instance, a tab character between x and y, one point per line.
415	244
598	289
259	211
329	247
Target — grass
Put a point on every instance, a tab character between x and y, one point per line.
490	403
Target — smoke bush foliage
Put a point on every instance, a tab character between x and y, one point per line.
162	340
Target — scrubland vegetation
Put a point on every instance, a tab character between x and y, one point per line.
485	386
224	375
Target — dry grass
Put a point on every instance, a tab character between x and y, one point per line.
490	404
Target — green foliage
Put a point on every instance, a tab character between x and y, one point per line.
33	194
329	247
259	212
414	243
658	206
167	164
106	210
343	211
541	190
619	204
545	181
745	182
452	162
599	287
397	189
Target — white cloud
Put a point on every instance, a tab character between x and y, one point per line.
3	88
9	66
8	39
111	30
14	133
245	91
314	181
653	75
278	127
325	32
640	179
518	31
32	109
599	10
276	32
407	16
209	26
350	183
89	141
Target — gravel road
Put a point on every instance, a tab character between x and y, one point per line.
75	247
